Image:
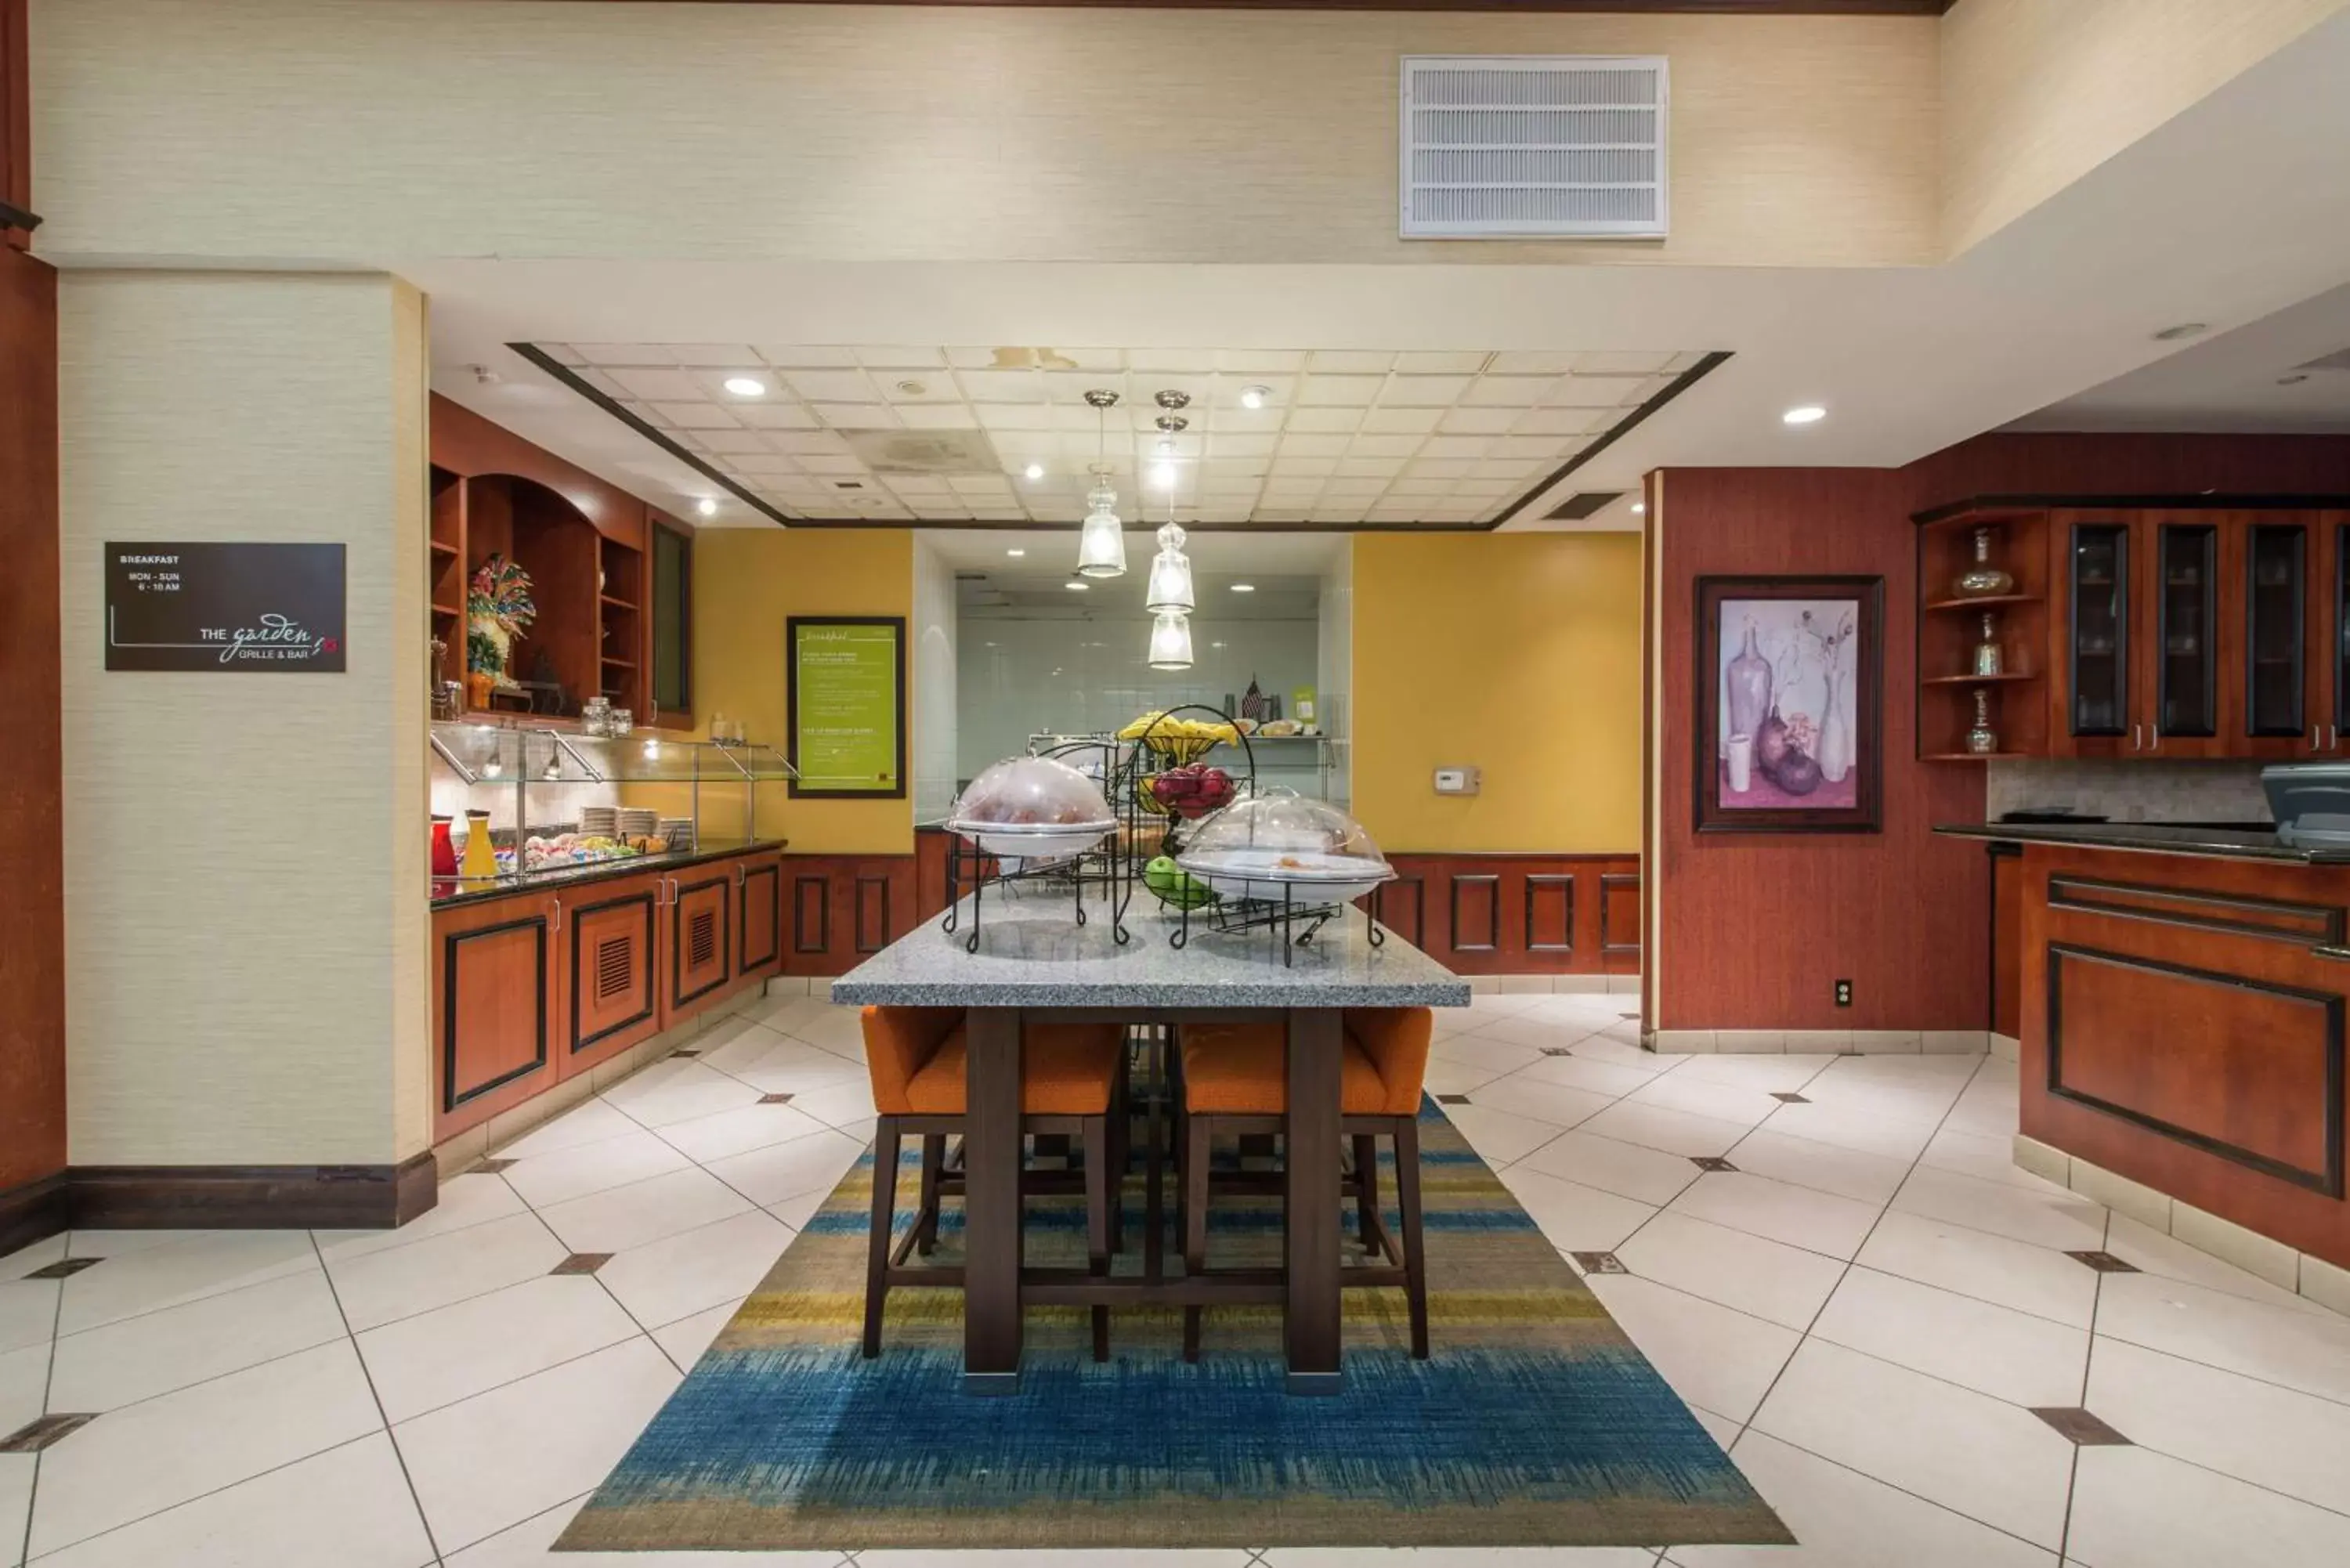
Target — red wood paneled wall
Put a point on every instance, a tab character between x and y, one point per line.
1752	932
32	915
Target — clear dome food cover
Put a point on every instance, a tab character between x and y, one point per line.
1255	849
1032	806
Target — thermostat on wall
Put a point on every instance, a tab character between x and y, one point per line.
1459	781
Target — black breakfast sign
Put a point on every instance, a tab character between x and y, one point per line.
238	607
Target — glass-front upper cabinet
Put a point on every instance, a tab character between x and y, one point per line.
2099	586
2276	635
2186	634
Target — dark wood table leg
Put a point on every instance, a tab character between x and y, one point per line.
992	1228
1310	1207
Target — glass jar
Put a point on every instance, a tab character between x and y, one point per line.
1983	580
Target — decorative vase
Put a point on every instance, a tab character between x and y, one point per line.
1989	660
1835	733
481	855
478	685
1981	740
1740	757
1747	683
1983	580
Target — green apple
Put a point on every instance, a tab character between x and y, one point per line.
1174	886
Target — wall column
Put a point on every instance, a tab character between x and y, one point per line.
245	885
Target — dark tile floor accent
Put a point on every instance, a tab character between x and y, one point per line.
1630	1017
581	1263
2104	1262
1451	1099
63	1267
774	1099
687	1051
1711	1162
2080	1428
1789	1097
492	1166
1599	1263
38	1434
1559	1050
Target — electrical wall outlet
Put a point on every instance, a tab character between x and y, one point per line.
1844	993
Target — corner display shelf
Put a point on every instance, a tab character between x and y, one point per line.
1949	628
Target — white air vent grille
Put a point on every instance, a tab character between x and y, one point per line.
1533	146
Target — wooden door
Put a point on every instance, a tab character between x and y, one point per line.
2189	635
611	987
496	1008
2093	629
759	918
699	958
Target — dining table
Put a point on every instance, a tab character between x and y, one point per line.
1035	963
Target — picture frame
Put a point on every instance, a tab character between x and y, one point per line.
845	680
1799	662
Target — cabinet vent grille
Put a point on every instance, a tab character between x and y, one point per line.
701	940
1533	147
616	968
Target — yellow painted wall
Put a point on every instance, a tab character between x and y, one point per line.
745	582
1519	654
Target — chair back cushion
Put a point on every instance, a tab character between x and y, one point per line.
898	1042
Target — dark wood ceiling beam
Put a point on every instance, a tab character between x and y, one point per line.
1620	7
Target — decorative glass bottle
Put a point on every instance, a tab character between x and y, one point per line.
1747	677
1982	741
1983	580
1988	657
444	859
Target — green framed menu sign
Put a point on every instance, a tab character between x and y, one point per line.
847	680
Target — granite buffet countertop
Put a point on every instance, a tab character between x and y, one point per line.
473	892
1031	953
2224	843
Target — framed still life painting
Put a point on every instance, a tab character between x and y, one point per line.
1790	704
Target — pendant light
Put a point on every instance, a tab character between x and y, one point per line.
1170	573
1171	641
1101	545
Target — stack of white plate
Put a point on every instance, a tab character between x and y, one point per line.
638	821
678	831
600	821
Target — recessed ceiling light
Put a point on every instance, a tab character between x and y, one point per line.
1033	471
2184	329
706	506
912	389
1804	414
1078	588
746	385
1015	554
1640	508
1244	588
1255	398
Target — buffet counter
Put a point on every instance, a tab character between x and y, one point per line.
449	892
554	974
2182	999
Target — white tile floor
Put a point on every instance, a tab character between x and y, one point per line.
1865	1310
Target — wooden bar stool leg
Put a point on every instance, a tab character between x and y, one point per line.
1195	1220
1415	1256
934	1160
1121	1134
1099	1190
884	1212
1366	1191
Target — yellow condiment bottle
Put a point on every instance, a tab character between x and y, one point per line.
481	864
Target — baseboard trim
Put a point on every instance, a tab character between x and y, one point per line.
33	1211
250	1197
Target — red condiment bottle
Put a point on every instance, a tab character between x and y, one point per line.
444	859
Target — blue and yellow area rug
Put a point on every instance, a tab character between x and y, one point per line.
1536	1423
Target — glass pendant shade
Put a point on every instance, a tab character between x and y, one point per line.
1171	641
1171	574
1101	547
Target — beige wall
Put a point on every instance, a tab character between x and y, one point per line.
245	877
2036	93
365	130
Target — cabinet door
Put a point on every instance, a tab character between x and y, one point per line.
2183	645
2329	610
2274	556
700	950
611	988
496	1009
2094	639
758	918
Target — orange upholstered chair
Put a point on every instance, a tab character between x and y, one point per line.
1072	1080
1235	1080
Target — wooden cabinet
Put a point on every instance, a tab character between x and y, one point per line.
536	988
2201	628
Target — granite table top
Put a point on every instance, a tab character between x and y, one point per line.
1033	954
2219	843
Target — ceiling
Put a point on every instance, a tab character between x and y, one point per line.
893	434
2063	304
2287	372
